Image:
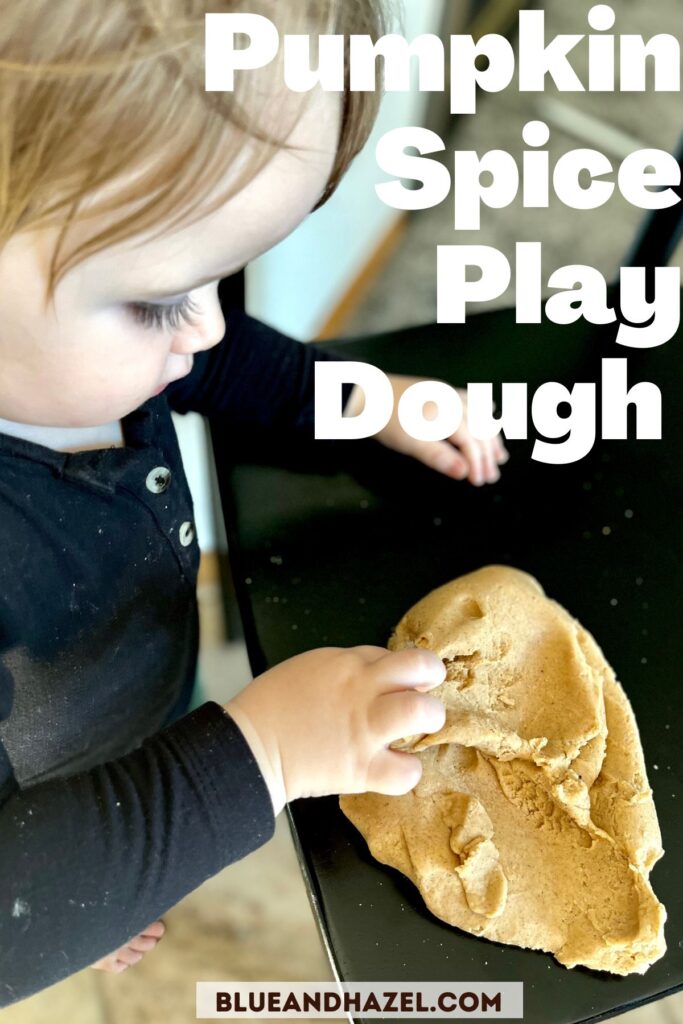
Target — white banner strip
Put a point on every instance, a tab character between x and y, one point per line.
315	1000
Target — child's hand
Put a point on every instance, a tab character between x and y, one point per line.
322	722
133	951
460	457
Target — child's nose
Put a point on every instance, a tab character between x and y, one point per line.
205	334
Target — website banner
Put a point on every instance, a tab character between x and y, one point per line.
316	1000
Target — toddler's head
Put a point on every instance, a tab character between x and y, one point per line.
127	191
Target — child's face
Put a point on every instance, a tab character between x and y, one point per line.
89	358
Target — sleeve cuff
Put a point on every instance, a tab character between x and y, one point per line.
216	750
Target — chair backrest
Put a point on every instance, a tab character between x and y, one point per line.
231	291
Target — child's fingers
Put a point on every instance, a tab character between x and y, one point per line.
394	772
368	653
414	667
441	456
491	450
491	471
395	715
473	454
501	452
482	461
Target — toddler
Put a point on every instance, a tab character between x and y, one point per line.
126	194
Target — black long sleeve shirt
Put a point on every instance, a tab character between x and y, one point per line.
107	817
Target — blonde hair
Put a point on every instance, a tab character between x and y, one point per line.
95	90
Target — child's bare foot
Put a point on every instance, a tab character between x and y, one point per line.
133	951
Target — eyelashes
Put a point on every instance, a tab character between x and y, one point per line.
162	318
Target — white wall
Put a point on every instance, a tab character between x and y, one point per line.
194	447
297	284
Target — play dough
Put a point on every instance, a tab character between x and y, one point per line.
533	823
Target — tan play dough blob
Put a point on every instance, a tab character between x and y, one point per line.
533	823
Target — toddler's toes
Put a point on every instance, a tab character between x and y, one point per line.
111	964
156	929
117	967
107	963
129	956
133	952
143	943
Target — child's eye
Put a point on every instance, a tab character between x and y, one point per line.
169	317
